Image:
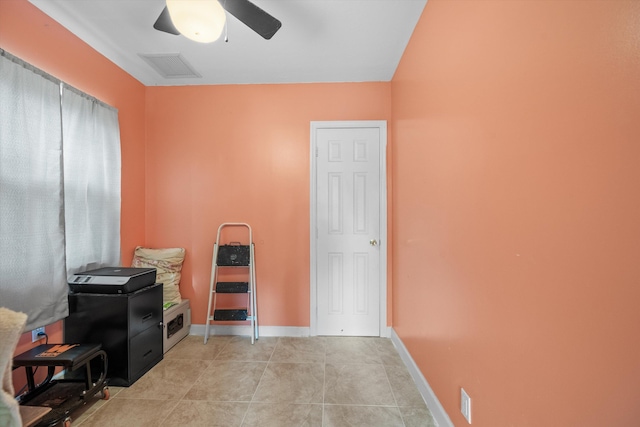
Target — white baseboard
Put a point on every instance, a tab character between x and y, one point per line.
263	331
438	412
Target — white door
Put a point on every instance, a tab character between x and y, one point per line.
348	231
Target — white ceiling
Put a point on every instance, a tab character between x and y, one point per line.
320	40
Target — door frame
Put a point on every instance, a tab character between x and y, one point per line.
382	243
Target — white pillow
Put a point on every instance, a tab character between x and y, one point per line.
168	265
11	324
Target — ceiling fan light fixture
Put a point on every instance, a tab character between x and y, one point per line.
198	20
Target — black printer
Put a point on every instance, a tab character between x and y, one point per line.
112	280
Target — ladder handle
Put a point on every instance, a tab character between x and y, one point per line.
234	224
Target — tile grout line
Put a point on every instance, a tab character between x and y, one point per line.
209	363
324	380
393	393
106	402
177	402
259	381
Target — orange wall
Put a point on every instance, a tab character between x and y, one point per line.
241	154
31	35
516	209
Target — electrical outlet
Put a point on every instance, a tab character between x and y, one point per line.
465	405
35	332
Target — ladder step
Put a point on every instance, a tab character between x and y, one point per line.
232	287
248	318
230	314
233	255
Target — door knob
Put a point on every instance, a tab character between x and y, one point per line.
373	242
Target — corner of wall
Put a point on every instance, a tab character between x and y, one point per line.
429	396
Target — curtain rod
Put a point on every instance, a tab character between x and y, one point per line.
53	79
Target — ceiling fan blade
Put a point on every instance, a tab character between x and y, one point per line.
164	23
253	17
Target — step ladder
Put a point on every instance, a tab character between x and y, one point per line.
239	256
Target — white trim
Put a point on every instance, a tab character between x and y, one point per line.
438	412
382	125
263	331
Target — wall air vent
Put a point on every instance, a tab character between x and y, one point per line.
170	65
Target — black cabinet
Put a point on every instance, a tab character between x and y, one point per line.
129	327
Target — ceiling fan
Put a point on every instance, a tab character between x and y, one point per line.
245	11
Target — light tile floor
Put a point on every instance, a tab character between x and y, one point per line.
280	382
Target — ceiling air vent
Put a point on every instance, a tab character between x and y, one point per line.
170	65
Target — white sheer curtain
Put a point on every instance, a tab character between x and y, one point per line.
59	189
32	259
91	148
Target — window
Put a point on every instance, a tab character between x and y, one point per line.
59	189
